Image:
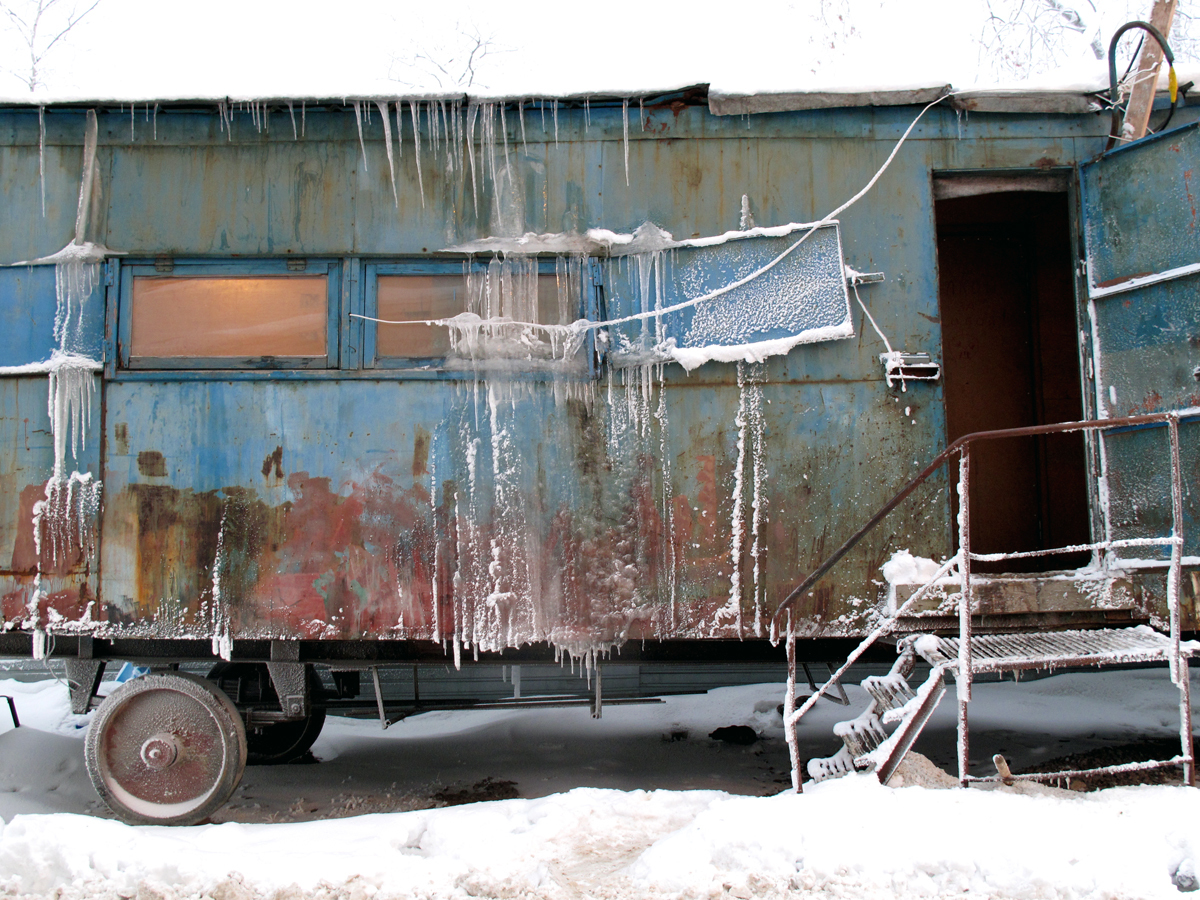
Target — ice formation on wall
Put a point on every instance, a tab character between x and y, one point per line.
64	522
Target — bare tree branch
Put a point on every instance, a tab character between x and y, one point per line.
451	64
35	18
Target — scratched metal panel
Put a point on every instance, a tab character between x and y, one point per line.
1140	219
333	508
69	580
28	233
1139	203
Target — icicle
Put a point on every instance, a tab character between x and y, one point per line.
358	120
302	117
587	115
472	112
747	219
433	512
542	108
759	475
434	137
90	130
222	641
42	155
132	110
387	137
399	129
521	117
625	132
416	117
292	115
642	112
554	109
455	160
737	524
154	122
504	136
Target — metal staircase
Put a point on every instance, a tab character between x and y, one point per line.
867	743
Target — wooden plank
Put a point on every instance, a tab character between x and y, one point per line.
1141	98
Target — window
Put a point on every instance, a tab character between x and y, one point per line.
508	312
260	315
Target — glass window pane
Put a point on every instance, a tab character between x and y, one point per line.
419	298
416	298
229	317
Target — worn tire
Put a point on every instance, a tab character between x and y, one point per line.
278	742
166	749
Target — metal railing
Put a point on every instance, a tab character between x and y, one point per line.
962	561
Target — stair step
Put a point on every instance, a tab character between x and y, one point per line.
1017	594
861	735
1050	649
888	691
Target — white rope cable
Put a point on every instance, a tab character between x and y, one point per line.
871	318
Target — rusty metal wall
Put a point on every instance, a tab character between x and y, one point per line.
384	505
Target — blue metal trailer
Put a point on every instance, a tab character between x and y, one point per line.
383	381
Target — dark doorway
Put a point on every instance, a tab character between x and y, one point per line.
1011	359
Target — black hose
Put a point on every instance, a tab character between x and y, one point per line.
1113	97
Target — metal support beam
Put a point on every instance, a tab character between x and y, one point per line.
963	676
83	678
1145	79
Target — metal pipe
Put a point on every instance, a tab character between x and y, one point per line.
789	708
963	678
1180	672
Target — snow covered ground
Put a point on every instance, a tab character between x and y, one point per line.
641	803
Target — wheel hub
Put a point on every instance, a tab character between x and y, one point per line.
160	751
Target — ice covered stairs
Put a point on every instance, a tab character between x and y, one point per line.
866	742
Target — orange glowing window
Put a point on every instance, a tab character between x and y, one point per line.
414	300
241	317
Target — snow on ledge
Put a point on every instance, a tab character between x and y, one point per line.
694	357
58	360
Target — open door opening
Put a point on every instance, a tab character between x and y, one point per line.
1010	360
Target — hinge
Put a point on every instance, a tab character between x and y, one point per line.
297	265
164	264
110	274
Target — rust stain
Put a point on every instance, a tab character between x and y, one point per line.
420	462
152	464
273	460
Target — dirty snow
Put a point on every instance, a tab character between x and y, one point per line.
601	826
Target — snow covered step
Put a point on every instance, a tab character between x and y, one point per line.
861	735
888	691
1051	592
1053	649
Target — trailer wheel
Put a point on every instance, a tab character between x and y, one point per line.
272	743
166	749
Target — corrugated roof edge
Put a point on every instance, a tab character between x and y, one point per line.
1001	101
730	104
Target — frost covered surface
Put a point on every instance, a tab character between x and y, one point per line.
669	843
904	568
1026	842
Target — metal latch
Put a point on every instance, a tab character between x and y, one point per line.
297	265
900	366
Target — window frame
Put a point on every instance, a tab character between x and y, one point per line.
330	269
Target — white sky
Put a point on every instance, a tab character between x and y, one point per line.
260	48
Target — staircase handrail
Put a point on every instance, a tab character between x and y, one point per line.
940	460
